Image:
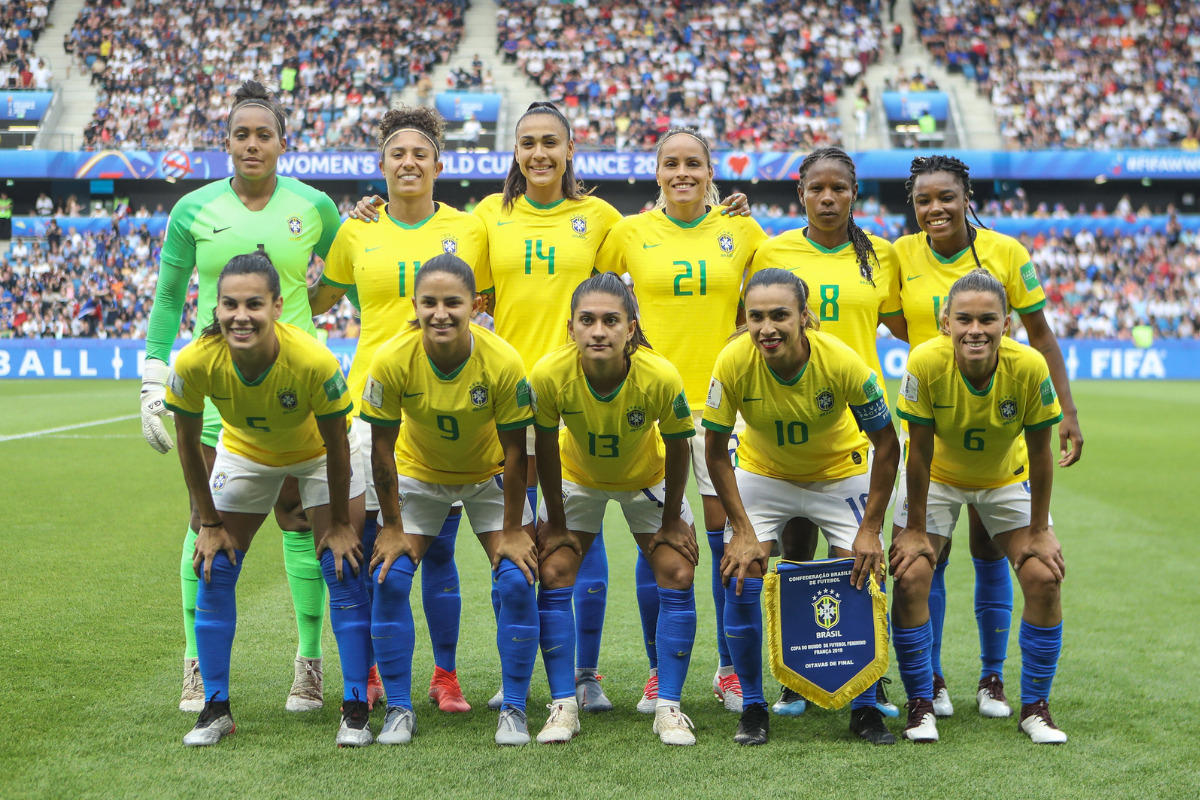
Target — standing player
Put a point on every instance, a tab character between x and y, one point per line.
801	456
970	395
255	209
381	262
947	248
687	260
854	275
627	422
283	403
464	401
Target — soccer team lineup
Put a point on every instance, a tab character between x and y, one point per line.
629	355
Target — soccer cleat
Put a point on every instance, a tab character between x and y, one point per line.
942	706
192	697
307	692
399	725
867	723
589	695
673	726
355	730
512	729
728	690
375	691
1038	726
885	706
754	725
445	691
991	700
562	725
789	704
497	701
649	702
922	722
216	721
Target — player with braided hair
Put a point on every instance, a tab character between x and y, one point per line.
854	288
947	248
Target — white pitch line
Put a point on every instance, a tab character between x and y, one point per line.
32	434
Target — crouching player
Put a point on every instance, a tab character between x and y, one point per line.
283	405
969	395
627	423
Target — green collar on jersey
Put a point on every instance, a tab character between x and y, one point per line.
978	392
454	372
691	224
543	206
608	397
415	225
794	380
822	248
260	378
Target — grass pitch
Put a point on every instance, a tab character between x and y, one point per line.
90	646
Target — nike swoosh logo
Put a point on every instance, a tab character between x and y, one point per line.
530	639
214	397
935	405
572	412
595	591
682	653
550	649
372	249
648	246
750	399
414	394
450	588
1001	630
1035	680
510	222
218	230
911	277
735	636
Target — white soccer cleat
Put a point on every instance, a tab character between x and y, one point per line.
922	722
355	730
942	706
512	729
192	697
649	701
728	690
991	700
307	692
562	725
1038	726
399	725
673	726
215	723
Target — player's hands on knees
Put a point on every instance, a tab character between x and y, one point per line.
343	542
736	205
391	543
868	557
519	548
209	542
154	405
367	209
741	553
908	547
679	536
1042	544
1070	440
551	537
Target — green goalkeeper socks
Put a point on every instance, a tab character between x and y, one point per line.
308	590
188	583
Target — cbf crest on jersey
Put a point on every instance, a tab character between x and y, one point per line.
636	417
478	394
450	245
1007	408
825	401
295	225
579	225
725	242
287	400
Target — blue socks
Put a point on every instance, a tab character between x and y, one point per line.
370	532
216	621
350	618
557	620
440	594
676	636
993	613
516	632
591	598
1040	648
913	656
937	614
647	600
743	629
716	544
392	633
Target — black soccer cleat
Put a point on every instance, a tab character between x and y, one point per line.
867	723
754	725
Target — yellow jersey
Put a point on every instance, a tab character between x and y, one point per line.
381	261
845	303
450	421
612	442
979	442
803	429
688	280
538	255
925	278
272	420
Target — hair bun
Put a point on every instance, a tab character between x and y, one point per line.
252	90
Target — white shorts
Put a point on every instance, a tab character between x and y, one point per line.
835	506
643	508
1003	509
247	487
704	484
360	449
424	506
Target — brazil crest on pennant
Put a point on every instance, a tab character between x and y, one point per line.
827	640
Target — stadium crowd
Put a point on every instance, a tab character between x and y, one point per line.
754	76
165	80
1085	75
21	24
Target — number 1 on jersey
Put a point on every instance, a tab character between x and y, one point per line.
687	274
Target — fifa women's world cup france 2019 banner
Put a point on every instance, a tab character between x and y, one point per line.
827	640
